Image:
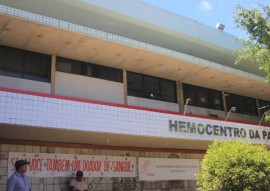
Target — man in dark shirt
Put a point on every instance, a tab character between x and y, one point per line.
18	180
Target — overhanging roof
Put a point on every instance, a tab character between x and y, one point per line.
72	41
145	23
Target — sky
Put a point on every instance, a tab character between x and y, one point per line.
209	12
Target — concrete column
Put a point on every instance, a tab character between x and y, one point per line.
180	96
53	69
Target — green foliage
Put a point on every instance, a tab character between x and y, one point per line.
267	117
256	22
235	166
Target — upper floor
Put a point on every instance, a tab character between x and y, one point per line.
32	71
121	56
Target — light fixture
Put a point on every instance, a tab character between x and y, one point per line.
220	26
233	109
185	106
264	114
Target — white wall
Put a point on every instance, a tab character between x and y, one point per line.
23	84
88	88
47	112
244	118
154	104
221	114
204	111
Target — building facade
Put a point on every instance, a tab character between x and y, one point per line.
127	92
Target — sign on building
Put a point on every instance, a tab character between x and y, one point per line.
168	169
66	165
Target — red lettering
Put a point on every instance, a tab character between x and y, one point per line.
36	164
58	165
106	166
91	166
121	166
76	165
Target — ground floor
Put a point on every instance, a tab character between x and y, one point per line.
56	182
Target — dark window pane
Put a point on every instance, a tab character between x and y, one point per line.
243	104
251	106
96	71
84	69
135	82
151	87
190	92
14	62
76	68
240	104
202	98
37	66
2	58
112	74
63	65
88	69
72	66
215	100
230	101
168	90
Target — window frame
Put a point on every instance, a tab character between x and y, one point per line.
90	69
193	92
24	65
235	103
144	93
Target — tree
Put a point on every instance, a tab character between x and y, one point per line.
256	22
256	47
235	166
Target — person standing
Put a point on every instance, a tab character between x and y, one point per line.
78	183
18	181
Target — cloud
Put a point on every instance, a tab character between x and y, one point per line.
205	5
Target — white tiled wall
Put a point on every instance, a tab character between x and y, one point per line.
30	110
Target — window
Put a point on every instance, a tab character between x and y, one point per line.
88	69
203	97
151	87
73	66
36	66
24	64
190	92
107	73
167	90
135	84
264	106
243	104
216	100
